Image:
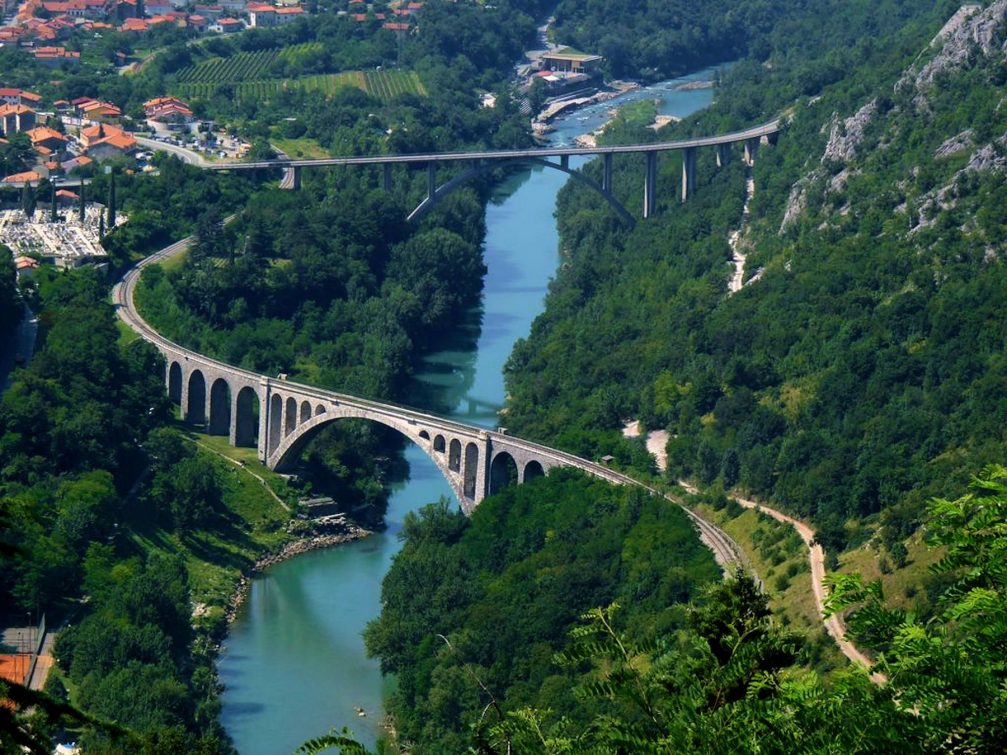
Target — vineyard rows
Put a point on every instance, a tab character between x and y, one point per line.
244	66
382	85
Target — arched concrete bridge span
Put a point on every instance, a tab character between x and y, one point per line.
440	192
750	138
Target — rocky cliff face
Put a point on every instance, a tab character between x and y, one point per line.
973	37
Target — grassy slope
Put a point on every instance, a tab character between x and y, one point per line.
252	523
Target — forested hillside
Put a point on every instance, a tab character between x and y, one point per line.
502	589
861	372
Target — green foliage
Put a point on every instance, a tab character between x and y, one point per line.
382	85
481	605
948	672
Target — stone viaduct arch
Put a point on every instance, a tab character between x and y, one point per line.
280	418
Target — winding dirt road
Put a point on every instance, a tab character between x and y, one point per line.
834	625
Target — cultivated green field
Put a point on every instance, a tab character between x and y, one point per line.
259	75
244	66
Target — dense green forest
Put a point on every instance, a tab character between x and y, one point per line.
855	377
810	43
493	597
10	304
74	433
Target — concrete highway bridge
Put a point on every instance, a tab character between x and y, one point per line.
480	162
226	400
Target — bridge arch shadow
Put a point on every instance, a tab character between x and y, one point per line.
464	177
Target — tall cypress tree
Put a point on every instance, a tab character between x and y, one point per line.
53	217
28	200
80	206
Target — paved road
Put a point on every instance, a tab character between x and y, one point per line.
183	154
756	132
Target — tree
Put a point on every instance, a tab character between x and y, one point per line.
948	673
28	200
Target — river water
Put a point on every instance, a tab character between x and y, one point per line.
294	664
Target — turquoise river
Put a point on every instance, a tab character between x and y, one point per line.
294	664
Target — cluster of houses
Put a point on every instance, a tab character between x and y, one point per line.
96	133
42	22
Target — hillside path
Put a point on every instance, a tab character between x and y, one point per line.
834	625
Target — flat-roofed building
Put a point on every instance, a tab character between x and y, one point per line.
568	60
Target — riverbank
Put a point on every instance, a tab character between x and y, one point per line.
288	551
540	122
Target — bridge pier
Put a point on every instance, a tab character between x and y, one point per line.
564	162
650	185
606	172
688	172
482	470
431	181
386	179
751	147
723	155
296	184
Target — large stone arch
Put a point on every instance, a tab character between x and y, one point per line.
246	417
175	382
220	408
503	472
465	176
195	405
285	455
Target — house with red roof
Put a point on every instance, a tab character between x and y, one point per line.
167	113
227	26
11	96
104	142
20	179
54	57
15	118
49	139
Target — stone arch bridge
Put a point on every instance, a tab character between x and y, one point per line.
278	417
